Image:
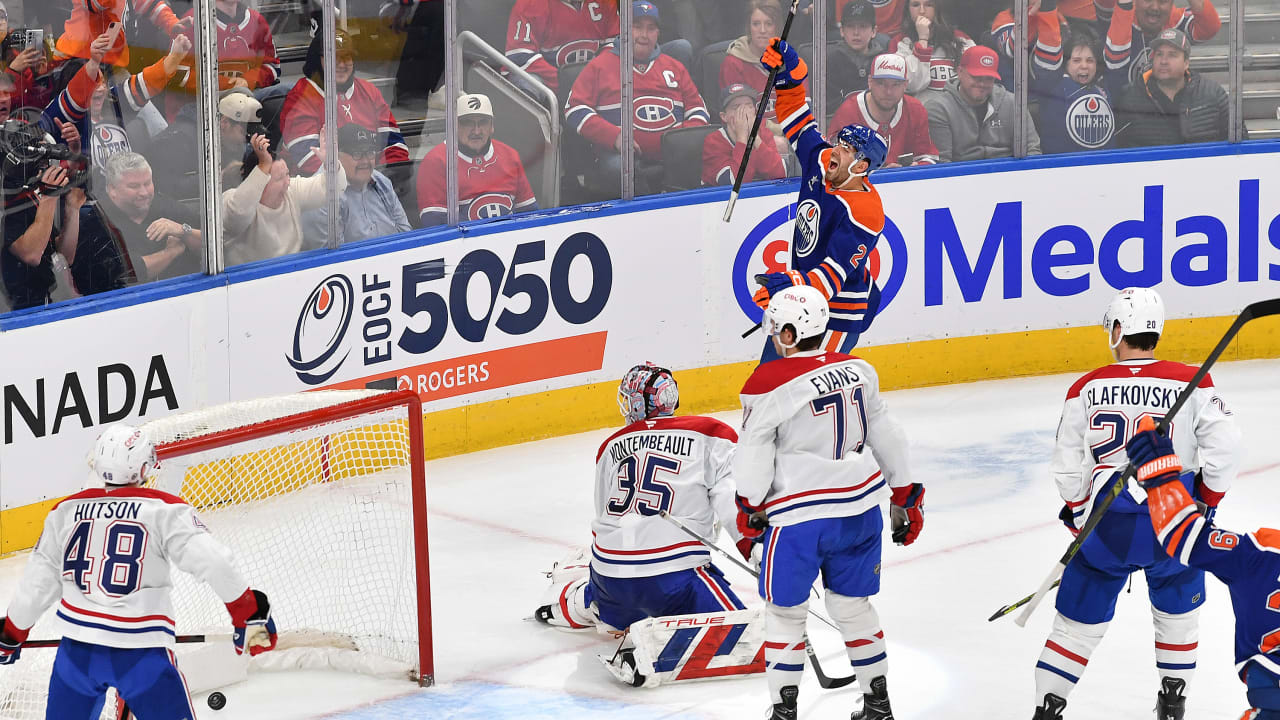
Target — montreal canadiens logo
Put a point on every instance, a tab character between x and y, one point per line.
318	347
655	114
578	51
490	205
1090	122
808	218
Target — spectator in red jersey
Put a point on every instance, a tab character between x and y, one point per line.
91	18
1136	23
1044	41
886	108
665	98
491	179
359	101
545	35
246	55
931	46
28	68
849	62
722	151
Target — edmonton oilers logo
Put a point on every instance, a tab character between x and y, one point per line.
808	218
1090	122
322	327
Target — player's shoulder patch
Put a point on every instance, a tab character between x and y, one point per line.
772	375
710	427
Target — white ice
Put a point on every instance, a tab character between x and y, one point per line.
499	518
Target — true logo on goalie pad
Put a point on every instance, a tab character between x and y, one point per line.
681	648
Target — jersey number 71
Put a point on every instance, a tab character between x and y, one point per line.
834	404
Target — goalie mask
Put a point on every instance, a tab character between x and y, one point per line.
647	391
123	455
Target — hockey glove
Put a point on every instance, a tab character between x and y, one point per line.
792	69
11	640
751	519
1153	455
1068	518
1206	499
775	283
254	628
906	512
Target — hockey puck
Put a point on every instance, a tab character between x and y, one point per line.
217	700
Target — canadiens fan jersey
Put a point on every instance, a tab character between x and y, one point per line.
679	464
303	116
545	35
665	98
836	230
1127	52
489	186
90	559
817	439
929	67
245	50
1101	413
907	131
721	159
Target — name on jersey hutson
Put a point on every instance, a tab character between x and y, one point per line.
667	444
1132	396
837	378
114	509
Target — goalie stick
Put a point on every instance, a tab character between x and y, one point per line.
1260	309
825	681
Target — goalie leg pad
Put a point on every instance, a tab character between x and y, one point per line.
860	628
784	646
702	646
1065	655
1177	643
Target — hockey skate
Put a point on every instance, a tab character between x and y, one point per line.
1170	703
786	710
875	704
623	667
1051	709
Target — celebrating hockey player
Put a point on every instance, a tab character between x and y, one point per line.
1249	564
115	611
1102	410
809	487
839	217
642	565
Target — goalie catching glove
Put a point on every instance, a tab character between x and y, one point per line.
251	618
906	512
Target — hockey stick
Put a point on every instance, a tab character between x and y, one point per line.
1010	608
1262	308
755	127
179	639
825	681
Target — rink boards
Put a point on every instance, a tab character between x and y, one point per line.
518	329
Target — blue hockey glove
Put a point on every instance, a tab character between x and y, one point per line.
772	283
251	618
792	68
751	519
906	512
11	640
1152	453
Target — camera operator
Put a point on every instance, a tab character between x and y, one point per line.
30	236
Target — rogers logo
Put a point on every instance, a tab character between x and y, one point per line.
321	330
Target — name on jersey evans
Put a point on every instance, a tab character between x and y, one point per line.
1132	395
113	509
836	378
631	444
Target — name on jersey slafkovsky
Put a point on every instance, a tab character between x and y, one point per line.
834	379
1132	395
115	509
631	444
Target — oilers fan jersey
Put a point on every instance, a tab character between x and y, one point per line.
1074	117
835	230
817	439
1127	52
1102	412
678	464
545	35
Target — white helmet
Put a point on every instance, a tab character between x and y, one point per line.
1138	310
123	456
800	306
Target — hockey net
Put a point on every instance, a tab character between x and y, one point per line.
321	497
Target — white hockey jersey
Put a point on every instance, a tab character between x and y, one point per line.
678	464
808	422
1101	414
106	554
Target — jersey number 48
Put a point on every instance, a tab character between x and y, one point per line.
120	572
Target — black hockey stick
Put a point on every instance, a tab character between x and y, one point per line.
755	127
1010	608
824	681
179	639
1262	308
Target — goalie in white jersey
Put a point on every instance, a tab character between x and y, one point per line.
818	454
105	555
1100	415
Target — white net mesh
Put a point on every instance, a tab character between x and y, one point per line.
320	518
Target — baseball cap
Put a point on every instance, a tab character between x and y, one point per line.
240	107
644	8
889	66
735	91
474	105
981	61
1175	38
354	138
857	11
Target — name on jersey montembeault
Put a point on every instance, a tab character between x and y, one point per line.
834	379
115	509
631	444
1132	395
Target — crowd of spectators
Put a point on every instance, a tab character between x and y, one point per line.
115	81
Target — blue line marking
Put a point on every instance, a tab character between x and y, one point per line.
483	701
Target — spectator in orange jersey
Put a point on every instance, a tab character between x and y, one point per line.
91	18
1136	23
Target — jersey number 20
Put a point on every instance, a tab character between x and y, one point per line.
121	569
834	404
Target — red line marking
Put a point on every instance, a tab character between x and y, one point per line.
522	534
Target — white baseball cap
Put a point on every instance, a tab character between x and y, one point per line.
889	66
474	105
240	107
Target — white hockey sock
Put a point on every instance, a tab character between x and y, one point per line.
863	638
1177	643
784	646
1065	655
